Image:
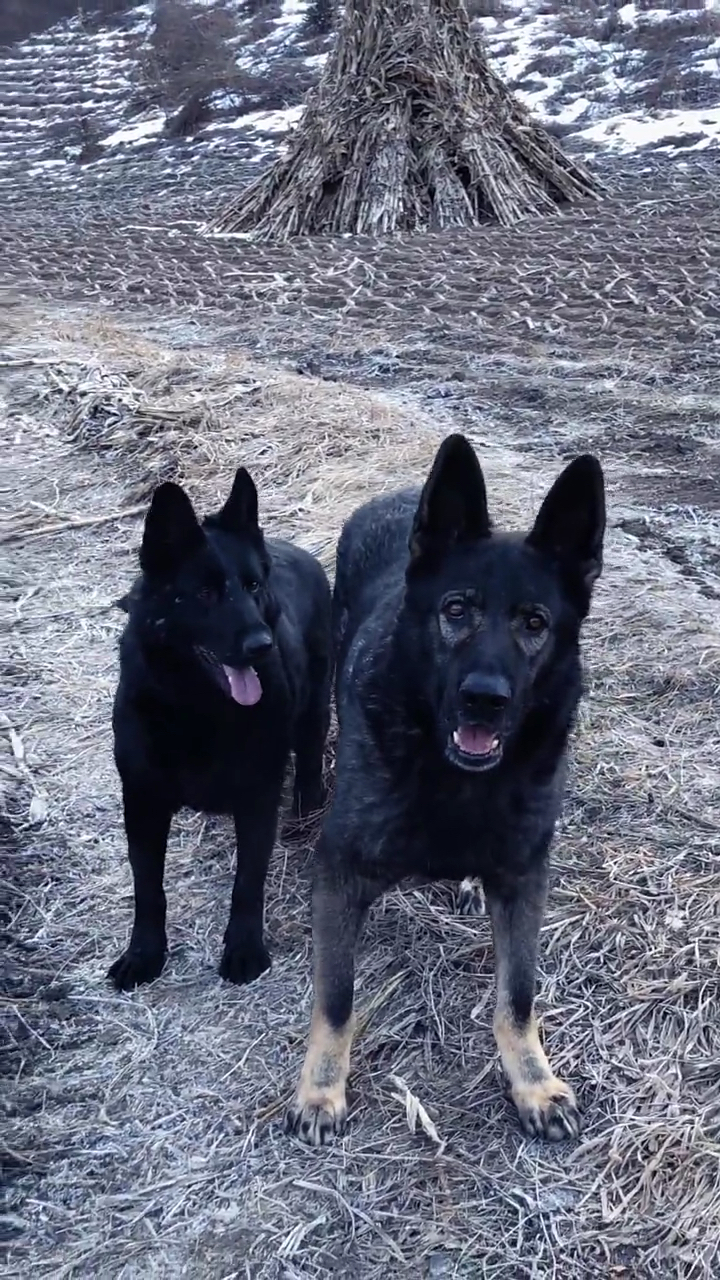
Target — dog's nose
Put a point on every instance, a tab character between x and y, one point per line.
484	695
257	644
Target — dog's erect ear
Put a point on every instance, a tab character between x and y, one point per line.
172	532
453	504
240	513
570	525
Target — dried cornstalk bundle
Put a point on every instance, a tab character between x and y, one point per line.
408	129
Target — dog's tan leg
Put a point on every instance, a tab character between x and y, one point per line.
320	1107
546	1104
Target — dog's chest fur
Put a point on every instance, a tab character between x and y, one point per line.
434	823
206	758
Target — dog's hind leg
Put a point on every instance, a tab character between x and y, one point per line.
320	1107
545	1104
147	825
244	955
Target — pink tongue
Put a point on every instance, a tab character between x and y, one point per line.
476	742
245	686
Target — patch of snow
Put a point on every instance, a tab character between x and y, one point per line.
572	112
293	12
635	130
285	27
41	165
268	121
632	16
137	132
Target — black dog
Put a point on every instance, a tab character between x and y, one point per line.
458	680
225	667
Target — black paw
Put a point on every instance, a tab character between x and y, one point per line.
243	961
137	966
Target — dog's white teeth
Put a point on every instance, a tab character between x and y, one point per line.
494	744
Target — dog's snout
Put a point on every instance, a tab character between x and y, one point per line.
485	695
257	644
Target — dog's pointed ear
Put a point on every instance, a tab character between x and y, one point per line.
172	531
453	504
240	513
570	525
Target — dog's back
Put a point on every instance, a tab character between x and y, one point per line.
371	551
301	586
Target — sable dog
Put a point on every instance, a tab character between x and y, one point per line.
458	680
225	667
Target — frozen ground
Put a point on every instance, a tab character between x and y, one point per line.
143	1135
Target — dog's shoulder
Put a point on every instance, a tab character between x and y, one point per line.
296	573
302	590
369	569
376	534
365	684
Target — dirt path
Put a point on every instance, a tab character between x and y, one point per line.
143	1132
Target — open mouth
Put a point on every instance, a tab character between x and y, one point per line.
474	748
242	684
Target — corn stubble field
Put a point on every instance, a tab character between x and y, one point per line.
142	1134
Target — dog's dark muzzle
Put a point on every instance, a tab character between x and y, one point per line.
256	645
476	742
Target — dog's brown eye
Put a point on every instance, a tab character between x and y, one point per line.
208	595
253	586
454	609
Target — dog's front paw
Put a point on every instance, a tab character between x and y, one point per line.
244	961
137	966
547	1110
318	1117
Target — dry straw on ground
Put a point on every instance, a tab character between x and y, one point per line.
145	1130
408	129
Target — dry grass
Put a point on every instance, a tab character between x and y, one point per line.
145	1130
